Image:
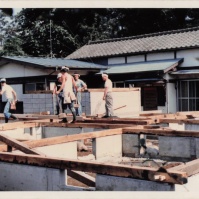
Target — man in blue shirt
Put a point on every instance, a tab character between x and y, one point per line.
81	86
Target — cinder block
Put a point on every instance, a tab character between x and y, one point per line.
175	146
30	178
29	106
42	96
197	147
35	96
113	183
35	105
27	101
49	105
107	146
27	96
130	145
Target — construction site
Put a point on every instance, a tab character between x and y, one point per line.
135	151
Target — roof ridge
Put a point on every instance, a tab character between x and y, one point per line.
145	35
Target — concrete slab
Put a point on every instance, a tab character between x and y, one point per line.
130	145
113	183
17	177
107	146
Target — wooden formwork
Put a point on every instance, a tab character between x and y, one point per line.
145	124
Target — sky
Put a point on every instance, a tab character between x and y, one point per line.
16	10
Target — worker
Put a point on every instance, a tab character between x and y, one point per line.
81	86
108	96
59	97
68	83
11	97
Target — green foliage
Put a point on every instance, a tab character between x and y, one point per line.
59	32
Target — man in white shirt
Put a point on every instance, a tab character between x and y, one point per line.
108	96
11	97
81	86
68	83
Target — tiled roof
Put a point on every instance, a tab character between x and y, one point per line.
54	62
149	66
179	39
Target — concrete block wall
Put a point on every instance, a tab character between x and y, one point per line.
34	103
18	177
178	147
86	103
113	183
130	145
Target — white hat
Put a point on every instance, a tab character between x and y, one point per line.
3	80
104	75
59	75
64	68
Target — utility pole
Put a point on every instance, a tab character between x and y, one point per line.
51	48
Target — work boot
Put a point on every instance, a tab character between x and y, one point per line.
13	117
6	120
64	120
74	117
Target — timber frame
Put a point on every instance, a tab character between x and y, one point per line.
149	124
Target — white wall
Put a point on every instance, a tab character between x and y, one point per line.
191	57
135	58
131	99
16	70
116	60
159	56
171	97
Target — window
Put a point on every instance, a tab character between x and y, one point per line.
188	95
34	87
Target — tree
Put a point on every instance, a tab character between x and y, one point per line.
9	35
61	31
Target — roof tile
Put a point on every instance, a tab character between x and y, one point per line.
147	43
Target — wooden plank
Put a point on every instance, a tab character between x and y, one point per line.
115	90
186	121
15	125
162	132
118	121
18	145
71	138
190	168
146	173
86	125
82	177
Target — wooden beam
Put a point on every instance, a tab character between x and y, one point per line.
71	138
186	121
161	132
82	177
145	173
86	125
15	125
118	121
190	168
12	143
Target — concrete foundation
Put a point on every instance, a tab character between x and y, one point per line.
182	147
130	145
32	133
107	146
59	131
112	183
16	177
65	150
